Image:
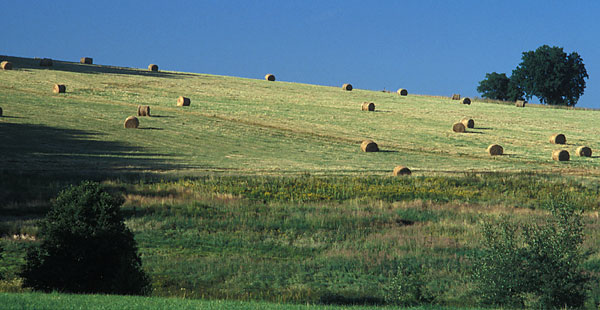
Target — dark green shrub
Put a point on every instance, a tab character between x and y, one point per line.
409	287
85	247
537	265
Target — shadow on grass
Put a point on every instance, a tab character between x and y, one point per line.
20	63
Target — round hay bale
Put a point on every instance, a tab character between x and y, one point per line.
558	138
402	92
59	88
132	122
347	87
46	62
520	103
495	149
183	101
368	106
401	170
143	110
584	151
469	123
86	60
455	96
560	155
369	146
152	67
6	65
270	77
465	100
458	127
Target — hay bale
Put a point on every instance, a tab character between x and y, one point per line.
86	60
458	127
560	155
132	122
401	170
347	87
495	149
152	67
465	100
469	123
368	106
558	138
520	103
183	101
584	151
369	146
270	77
455	96
46	62
59	88
6	65
143	110
402	92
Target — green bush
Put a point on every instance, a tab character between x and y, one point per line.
538	265
410	285
85	247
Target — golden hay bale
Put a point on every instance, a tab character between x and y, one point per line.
270	77
584	151
402	92
560	155
401	170
369	146
455	96
45	62
59	88
143	110
368	106
495	149
86	60
347	87
520	103
132	122
458	127
465	100
558	138
152	67
183	101
469	123
6	65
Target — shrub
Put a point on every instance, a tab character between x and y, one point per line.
535	265
85	247
410	285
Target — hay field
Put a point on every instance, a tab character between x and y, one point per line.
252	126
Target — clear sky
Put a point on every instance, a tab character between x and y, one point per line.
428	47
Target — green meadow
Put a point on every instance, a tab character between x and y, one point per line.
258	191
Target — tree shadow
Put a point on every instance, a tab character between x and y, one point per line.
43	149
20	63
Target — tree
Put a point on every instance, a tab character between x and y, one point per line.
498	86
534	265
551	75
85	247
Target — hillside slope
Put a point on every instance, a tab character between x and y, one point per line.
247	126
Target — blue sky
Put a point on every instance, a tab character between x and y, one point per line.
427	47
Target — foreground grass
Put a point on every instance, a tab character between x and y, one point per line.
38	301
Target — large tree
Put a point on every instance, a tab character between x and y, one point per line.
551	75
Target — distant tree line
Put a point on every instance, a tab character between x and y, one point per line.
547	73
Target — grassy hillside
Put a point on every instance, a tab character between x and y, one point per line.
259	190
252	126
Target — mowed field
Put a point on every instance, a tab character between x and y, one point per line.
258	191
253	126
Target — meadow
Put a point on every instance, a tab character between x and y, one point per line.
259	190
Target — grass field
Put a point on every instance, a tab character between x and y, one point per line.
259	190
